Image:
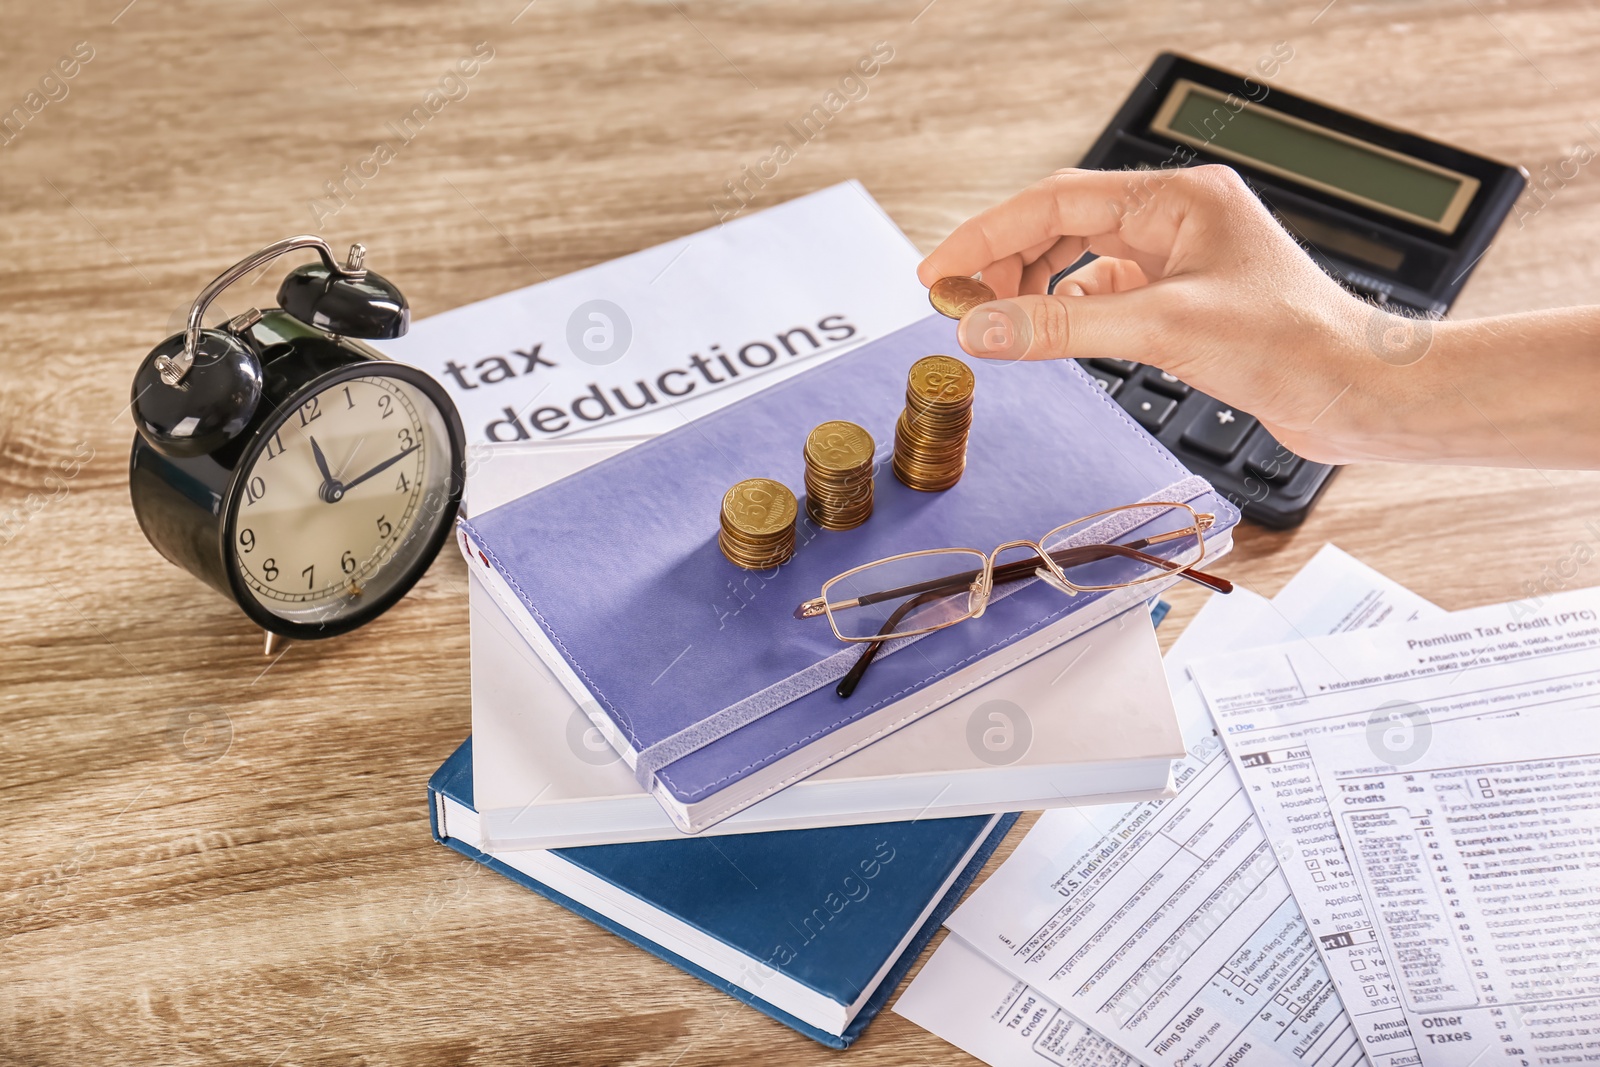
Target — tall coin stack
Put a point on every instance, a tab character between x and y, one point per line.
930	440
758	524
839	475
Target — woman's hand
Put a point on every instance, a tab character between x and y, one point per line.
1195	277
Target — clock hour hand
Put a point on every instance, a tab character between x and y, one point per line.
380	468
331	489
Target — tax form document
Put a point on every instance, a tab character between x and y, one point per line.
1388	689
1166	926
979	1008
1480	860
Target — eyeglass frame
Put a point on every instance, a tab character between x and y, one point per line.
982	580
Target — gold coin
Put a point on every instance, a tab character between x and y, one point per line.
927	423
839	508
764	559
953	297
755	543
838	446
941	379
759	507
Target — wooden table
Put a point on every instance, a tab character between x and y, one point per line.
268	892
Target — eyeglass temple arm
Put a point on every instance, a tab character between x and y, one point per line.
848	683
1009	573
1091	553
1214	582
1210	581
1023	568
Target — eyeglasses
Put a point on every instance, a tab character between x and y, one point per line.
917	593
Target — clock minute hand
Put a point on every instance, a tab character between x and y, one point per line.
380	468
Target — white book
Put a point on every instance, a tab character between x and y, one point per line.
1029	678
1090	721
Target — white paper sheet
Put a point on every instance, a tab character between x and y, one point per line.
1303	720
1481	862
979	1008
1295	818
637	345
1166	926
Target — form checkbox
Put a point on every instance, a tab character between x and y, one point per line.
1488	794
1312	865
1358	965
1281	999
1318	876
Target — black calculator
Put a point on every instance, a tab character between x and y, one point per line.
1394	217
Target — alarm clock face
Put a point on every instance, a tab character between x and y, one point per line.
342	502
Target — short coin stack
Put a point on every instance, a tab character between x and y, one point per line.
930	440
758	524
839	475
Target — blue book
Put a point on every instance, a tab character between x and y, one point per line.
699	673
816	928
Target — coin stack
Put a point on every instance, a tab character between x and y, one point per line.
930	440
758	524
839	475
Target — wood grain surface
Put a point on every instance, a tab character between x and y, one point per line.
211	857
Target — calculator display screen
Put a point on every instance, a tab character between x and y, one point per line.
1368	174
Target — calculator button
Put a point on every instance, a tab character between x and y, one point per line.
1125	367
1150	410
1109	382
1164	382
1218	431
1271	461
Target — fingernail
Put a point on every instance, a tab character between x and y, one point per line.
1069	289
1000	329
985	331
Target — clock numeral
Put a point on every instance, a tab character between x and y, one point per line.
349	401
247	538
310	576
309	411
386	402
347	562
269	567
404	486
385	527
255	489
406	440
274	446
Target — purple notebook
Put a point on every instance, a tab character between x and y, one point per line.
698	672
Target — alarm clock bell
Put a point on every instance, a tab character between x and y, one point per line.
197	390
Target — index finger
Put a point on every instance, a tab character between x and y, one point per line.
1076	203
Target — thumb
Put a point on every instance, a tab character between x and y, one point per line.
1057	326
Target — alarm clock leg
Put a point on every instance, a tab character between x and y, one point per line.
272	642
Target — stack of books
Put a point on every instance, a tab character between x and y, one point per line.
658	742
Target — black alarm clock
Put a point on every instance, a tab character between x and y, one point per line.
298	472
